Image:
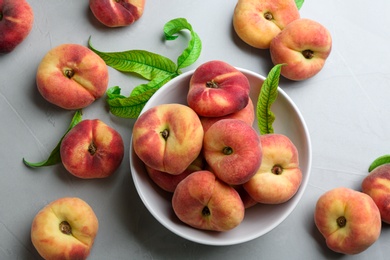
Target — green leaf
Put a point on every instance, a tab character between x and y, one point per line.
268	94
153	67
55	157
194	48
299	3
114	92
384	159
144	63
154	84
131	107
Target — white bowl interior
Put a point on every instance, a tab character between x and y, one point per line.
259	219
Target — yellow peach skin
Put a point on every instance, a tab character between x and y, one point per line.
348	219
257	22
168	137
279	176
64	229
204	202
72	76
303	46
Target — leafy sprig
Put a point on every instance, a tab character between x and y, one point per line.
267	96
55	156
155	68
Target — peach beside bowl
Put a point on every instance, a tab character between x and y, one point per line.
259	219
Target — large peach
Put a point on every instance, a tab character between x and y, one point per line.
117	13
377	186
279	176
72	76
233	150
16	21
349	220
92	149
203	201
168	137
217	89
304	45
64	229
257	22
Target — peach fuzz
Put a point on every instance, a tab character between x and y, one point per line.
72	76
117	13
258	22
247	114
64	229
204	202
168	137
377	186
92	149
304	45
16	21
279	176
233	150
217	89
349	220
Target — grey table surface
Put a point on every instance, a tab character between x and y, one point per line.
345	106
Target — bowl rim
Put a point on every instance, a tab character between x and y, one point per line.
297	196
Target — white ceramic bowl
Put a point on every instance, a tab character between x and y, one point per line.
259	219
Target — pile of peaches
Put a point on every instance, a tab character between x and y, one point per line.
208	154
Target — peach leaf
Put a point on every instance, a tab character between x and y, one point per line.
55	157
299	3
267	96
384	159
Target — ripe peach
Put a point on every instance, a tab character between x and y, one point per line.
72	76
203	201
348	219
258	22
168	137
64	229
92	149
16	21
217	89
304	45
117	13
233	150
279	176
377	186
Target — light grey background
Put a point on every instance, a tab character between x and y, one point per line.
346	108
